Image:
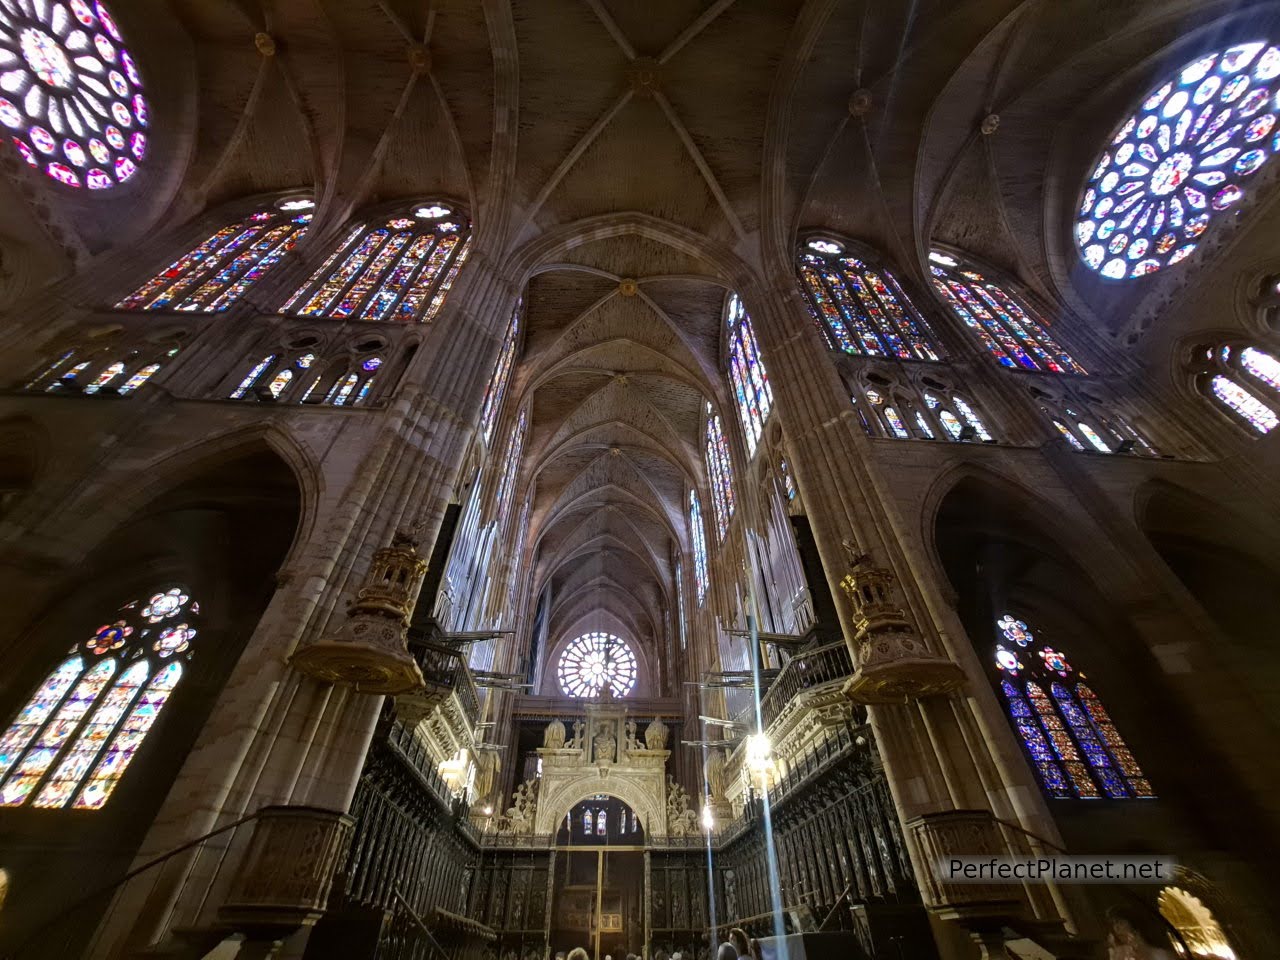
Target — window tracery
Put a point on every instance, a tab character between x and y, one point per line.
861	309
399	269
510	464
928	411
1179	161
719	472
216	273
72	742
1244	381
593	660
107	367
1074	746
70	93
1004	324
1092	424
698	539
299	374
748	376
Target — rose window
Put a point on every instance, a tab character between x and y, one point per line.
70	95
594	659
1185	156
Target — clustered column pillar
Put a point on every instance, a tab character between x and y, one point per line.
901	669
278	738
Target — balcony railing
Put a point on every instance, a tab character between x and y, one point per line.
811	668
445	670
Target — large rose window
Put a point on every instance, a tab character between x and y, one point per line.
70	95
1184	157
596	659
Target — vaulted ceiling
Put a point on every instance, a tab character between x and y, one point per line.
731	122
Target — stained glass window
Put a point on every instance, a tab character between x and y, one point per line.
498	385
593	660
400	269
971	418
1259	416
720	473
1010	330
1073	744
103	375
74	739
1091	435
896	426
216	274
1246	380
747	374
1179	161
602	823
271	379
861	309
699	541
70	93
1261	365
1068	435
788	483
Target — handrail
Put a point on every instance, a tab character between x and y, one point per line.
154	862
417	920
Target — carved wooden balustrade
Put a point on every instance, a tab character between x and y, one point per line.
410	862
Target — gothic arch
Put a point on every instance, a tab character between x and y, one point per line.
112	504
1227	563
554	805
1015	496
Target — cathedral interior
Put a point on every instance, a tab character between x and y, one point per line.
480	479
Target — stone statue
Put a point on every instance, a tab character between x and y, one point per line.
524	806
714	772
577	736
488	763
606	744
682	821
655	735
632	742
553	737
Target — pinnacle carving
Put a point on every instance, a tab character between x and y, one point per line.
371	651
894	664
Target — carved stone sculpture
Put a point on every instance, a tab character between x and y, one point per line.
553	737
715	775
577	743
682	821
606	744
655	735
632	742
524	806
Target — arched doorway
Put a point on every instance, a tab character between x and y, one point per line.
598	886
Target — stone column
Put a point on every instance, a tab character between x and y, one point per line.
275	736
883	603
